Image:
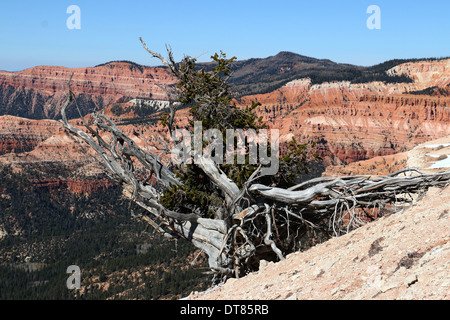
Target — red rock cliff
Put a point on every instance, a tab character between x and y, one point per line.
38	91
361	121
352	121
20	134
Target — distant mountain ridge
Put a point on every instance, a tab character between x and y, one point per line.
263	75
256	76
37	93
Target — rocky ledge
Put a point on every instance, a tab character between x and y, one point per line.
402	256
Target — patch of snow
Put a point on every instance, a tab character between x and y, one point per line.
431	146
445	163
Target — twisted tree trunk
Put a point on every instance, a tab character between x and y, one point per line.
259	222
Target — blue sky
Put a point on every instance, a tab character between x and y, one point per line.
35	32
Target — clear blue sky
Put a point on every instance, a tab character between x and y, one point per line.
35	32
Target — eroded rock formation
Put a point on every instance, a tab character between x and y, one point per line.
20	134
361	121
351	122
38	92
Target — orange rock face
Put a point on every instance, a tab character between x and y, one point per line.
361	121
39	90
44	145
351	122
20	134
75	186
381	165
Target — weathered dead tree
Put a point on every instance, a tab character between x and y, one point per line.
256	221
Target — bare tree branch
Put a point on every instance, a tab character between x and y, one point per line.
237	240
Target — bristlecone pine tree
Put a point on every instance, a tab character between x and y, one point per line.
231	211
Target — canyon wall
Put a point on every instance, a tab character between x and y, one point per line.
351	122
43	148
361	121
20	134
38	92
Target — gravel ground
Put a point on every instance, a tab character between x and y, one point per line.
402	256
